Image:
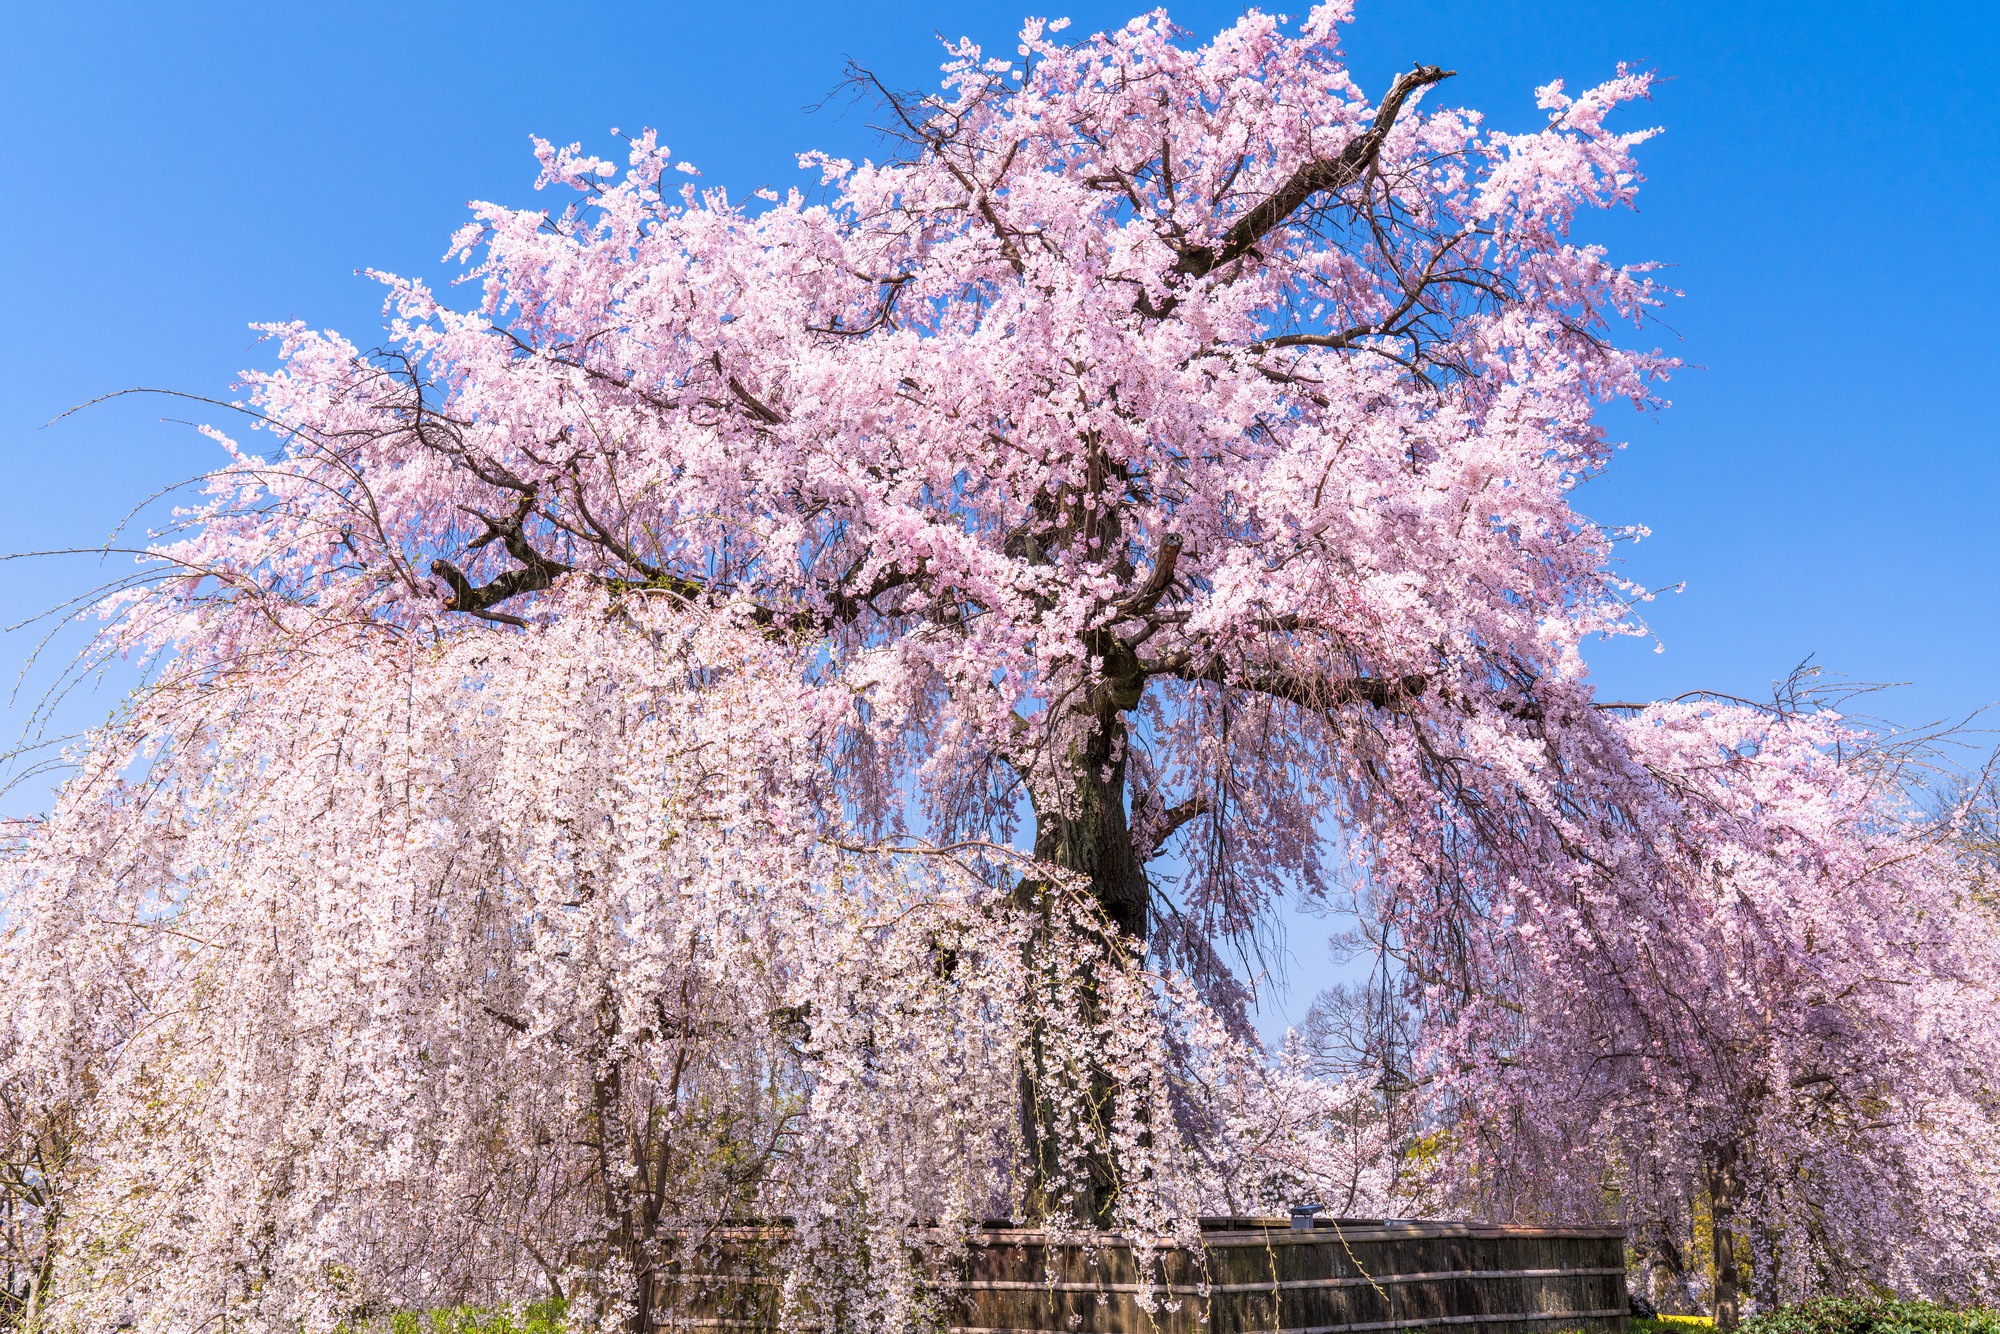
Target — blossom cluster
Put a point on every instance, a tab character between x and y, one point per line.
803	706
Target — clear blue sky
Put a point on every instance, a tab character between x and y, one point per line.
1825	190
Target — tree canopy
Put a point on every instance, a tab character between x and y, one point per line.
800	705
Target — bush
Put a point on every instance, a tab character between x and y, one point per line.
543	1317
1872	1315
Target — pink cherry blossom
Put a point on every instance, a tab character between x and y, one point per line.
697	727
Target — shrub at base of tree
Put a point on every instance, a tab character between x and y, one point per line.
1873	1315
546	1317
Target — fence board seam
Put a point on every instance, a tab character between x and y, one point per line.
1189	1290
1355	1329
716	1322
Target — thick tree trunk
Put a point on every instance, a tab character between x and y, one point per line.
1085	830
1764	1277
1725	1193
1093	836
627	1234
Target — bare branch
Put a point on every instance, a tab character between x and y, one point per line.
1307	690
1179	814
1317	177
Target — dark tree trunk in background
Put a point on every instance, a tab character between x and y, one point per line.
1665	1269
1725	1192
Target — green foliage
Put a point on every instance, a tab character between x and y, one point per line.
543	1317
1871	1315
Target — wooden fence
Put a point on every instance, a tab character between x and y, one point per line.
1253	1276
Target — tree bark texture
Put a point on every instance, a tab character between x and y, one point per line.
1088	833
1725	1193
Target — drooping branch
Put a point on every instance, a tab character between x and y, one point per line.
1308	690
938	141
1321	176
845	603
885	310
1404	320
595	531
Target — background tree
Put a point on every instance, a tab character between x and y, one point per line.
37	1148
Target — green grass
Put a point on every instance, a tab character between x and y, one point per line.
1872	1315
543	1317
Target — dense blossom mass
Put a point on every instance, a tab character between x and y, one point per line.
801	706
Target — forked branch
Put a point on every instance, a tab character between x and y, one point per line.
1322	176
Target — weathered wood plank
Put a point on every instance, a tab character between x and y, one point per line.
1251	1276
